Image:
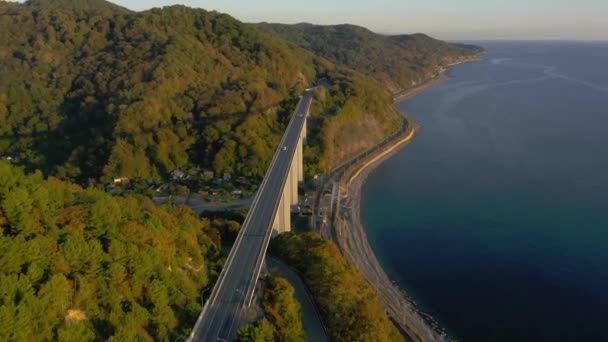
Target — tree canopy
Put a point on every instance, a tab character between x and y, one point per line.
348	304
91	91
80	265
282	319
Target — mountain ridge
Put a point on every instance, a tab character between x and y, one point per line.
398	62
142	94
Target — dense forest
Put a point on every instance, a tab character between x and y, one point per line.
282	319
80	265
397	62
348	304
91	90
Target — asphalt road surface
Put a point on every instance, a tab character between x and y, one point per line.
225	309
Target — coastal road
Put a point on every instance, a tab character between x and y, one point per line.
227	306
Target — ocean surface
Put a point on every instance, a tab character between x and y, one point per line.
495	218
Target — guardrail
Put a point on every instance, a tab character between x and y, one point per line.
267	237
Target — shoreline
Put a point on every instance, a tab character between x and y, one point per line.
351	236
404	95
349	233
417	90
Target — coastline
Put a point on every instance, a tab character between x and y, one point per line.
351	237
410	93
349	233
404	95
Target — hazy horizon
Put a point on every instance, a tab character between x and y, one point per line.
462	20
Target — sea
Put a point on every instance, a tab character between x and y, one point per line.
495	218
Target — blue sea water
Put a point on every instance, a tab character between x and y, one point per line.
495	218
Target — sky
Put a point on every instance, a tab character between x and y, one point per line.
444	19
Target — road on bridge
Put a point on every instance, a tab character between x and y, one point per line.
234	289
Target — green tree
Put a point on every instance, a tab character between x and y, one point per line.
97	267
89	92
349	306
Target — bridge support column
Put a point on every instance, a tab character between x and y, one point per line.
276	223
300	159
289	197
293	180
286	226
285	210
282	220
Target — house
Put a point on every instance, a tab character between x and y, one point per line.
207	175
162	188
120	180
177	174
236	192
111	189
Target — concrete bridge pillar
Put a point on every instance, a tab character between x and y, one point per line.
289	198
293	179
282	220
300	159
286	210
276	222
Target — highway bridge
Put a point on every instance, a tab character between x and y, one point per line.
269	215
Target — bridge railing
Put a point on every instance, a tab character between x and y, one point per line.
260	259
240	236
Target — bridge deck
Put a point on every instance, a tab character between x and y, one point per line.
223	312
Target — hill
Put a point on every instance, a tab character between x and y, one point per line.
85	94
83	5
398	62
80	265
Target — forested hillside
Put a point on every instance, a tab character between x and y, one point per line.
349	306
80	265
89	90
398	62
